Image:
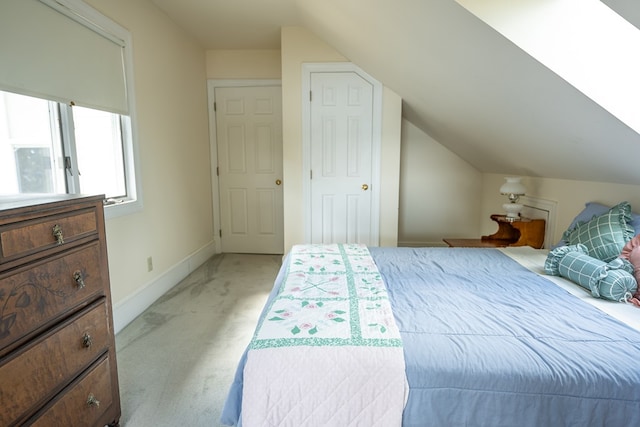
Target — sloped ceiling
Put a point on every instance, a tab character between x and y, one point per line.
628	9
462	83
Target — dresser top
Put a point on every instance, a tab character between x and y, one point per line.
24	200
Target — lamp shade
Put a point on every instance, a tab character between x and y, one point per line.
513	186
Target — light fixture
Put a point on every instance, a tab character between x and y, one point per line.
513	189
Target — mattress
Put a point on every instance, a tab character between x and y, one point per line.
490	341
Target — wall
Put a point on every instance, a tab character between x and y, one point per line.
416	210
244	64
440	194
267	64
390	167
570	196
298	46
175	226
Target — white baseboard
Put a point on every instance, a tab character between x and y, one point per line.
131	307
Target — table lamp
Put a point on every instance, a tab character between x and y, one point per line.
513	189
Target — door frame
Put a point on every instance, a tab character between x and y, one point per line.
334	67
212	84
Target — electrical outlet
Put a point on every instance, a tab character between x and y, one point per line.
149	264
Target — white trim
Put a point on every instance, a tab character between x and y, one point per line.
307	69
125	311
134	201
212	84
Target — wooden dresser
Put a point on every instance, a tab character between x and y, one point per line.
57	348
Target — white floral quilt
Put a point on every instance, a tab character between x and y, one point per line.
328	351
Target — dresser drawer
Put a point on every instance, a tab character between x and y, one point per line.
84	403
41	370
36	294
26	237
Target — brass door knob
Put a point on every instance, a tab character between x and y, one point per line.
278	182
365	187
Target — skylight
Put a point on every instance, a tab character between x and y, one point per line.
583	41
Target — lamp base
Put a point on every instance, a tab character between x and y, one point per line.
513	210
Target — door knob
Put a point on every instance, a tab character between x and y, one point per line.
278	182
365	187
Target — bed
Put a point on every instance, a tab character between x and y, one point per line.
487	339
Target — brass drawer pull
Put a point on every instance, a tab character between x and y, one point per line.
77	276
87	340
92	401
57	233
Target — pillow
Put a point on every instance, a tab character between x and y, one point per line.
604	235
612	281
635	223
593	209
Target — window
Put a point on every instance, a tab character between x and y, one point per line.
28	147
67	110
98	145
48	147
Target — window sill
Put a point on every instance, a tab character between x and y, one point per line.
121	208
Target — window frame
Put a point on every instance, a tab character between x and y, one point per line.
82	12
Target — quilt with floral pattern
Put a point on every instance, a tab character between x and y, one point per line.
331	295
328	350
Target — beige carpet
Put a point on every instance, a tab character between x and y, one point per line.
176	361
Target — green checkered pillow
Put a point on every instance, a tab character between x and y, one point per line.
613	281
604	235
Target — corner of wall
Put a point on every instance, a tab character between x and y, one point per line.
125	311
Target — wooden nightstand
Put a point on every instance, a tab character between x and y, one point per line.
521	232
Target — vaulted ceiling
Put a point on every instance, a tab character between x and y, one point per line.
462	82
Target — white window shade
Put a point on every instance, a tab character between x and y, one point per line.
46	53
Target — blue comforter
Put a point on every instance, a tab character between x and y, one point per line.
489	343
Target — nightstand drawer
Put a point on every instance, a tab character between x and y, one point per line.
36	374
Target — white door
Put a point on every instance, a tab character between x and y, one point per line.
249	136
341	141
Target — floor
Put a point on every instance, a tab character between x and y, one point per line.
176	360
